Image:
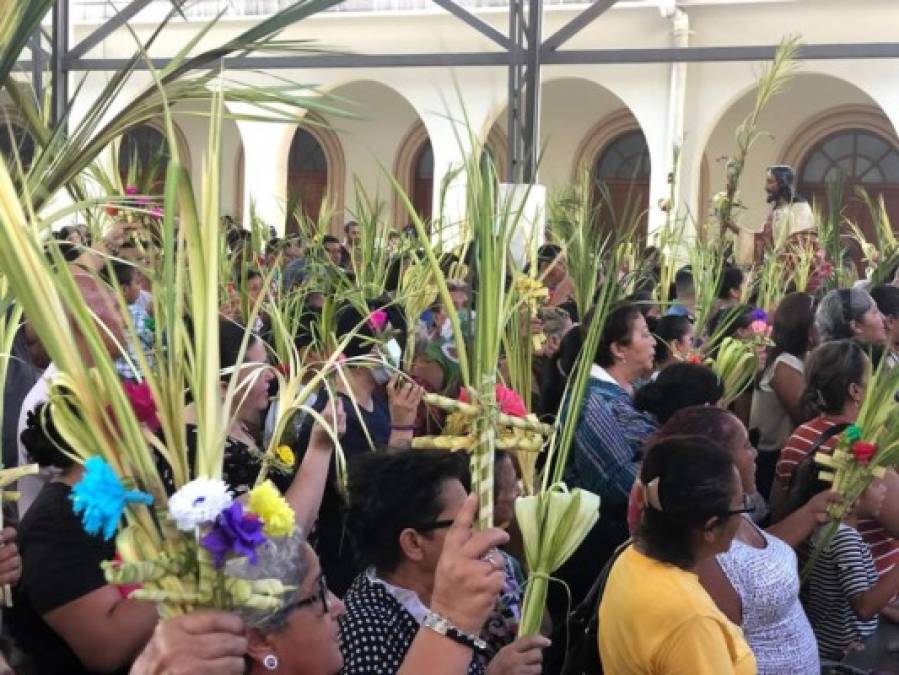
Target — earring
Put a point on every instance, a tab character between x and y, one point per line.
270	662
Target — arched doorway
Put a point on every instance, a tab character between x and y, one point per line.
423	182
143	159
622	172
307	178
15	141
860	159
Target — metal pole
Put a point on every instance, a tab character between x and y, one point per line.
516	76
532	92
59	68
37	66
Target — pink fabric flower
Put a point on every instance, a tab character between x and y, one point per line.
130	189
377	320
759	327
509	401
156	212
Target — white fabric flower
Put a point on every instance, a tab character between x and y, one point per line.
199	502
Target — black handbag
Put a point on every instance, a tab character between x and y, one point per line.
806	470
582	656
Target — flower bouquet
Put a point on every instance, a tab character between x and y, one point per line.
865	451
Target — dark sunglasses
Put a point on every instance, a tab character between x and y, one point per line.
321	595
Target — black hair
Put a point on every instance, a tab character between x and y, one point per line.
330	239
349	318
678	386
547	253
887	299
238	237
387	494
696	479
666	330
731	280
683	281
644	300
349	224
122	272
231	336
43	442
730	319
617	330
829	370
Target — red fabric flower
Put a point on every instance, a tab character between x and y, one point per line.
112	211
696	360
864	451
142	403
510	402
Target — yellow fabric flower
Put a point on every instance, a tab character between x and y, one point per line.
267	502
285	455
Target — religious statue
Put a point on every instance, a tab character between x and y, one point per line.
790	213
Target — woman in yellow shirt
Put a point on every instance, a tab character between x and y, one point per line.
655	617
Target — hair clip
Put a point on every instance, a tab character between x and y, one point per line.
651	495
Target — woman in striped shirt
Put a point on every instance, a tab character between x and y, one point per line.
835	387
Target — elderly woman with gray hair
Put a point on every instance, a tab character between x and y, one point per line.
850	313
301	638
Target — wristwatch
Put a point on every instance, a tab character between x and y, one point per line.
442	626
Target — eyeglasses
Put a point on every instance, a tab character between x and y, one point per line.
321	595
435	525
748	507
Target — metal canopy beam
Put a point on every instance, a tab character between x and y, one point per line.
573	27
866	50
59	63
481	26
105	30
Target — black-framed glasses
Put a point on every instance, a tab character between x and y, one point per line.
321	595
748	507
434	525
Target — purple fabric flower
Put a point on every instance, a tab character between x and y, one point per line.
131	190
234	532
759	315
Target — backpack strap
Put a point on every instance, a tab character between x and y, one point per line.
825	436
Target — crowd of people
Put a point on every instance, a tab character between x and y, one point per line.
706	511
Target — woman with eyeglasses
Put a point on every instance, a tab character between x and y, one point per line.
399	515
301	637
756	582
655	616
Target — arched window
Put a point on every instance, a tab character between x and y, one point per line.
423	182
307	177
15	139
622	173
859	159
143	159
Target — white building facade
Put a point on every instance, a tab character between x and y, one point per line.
620	120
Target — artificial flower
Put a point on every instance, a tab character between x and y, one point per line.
234	532
284	453
112	211
759	315
377	320
100	498
509	401
141	398
267	502
853	433
156	212
131	190
759	327
198	502
863	452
